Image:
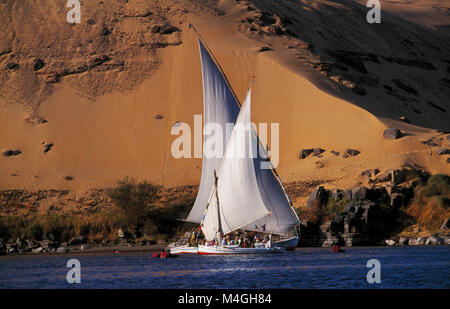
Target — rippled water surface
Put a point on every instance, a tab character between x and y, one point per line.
401	267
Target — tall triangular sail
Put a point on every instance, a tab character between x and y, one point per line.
219	106
250	197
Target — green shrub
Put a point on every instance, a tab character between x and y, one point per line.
36	231
134	199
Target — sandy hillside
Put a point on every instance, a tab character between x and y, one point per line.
106	93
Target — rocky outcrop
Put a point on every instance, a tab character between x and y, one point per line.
392	133
10	153
434	240
351	152
442	151
365	215
317	197
390	242
305	152
35	120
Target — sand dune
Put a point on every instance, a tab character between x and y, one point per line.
327	78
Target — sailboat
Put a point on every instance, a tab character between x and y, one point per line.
235	192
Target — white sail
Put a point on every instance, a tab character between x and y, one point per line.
249	197
221	107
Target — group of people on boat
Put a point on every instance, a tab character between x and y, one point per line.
243	240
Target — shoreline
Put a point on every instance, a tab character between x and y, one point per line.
159	247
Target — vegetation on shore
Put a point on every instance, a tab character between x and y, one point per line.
431	203
143	213
136	212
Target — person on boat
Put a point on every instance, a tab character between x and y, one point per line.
269	242
224	241
192	241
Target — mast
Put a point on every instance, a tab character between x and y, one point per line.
219	225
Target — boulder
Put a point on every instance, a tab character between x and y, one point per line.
31	244
47	244
12	66
48	147
305	152
434	240
35	120
11	248
348	194
352	152
403	241
389	242
413	242
77	240
442	151
330	240
318	151
421	241
19	243
359	193
120	233
264	48
370	172
37	250
397	200
337	194
9	153
429	142
317	198
38	64
392	133
61	250
384	177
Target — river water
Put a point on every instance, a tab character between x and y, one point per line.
400	267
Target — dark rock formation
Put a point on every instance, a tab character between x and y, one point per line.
317	151
164	29
337	194
429	142
442	151
352	152
264	48
35	120
392	133
305	152
48	147
335	153
9	153
12	66
317	198
38	64
370	172
359	193
77	240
